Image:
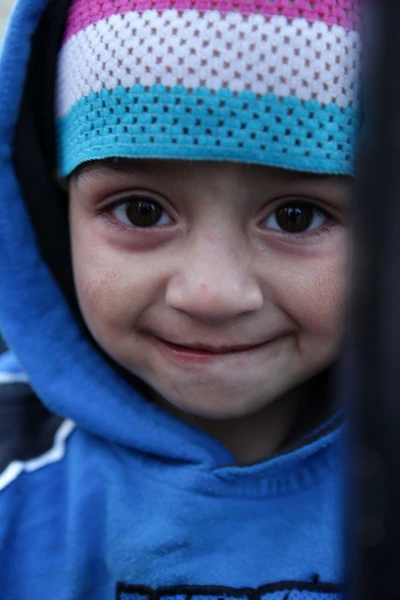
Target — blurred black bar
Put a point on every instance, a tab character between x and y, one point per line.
372	360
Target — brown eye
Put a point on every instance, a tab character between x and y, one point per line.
141	212
296	217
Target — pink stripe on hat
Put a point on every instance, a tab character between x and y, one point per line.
333	12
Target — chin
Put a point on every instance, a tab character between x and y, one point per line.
218	408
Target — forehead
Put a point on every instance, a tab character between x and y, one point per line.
183	170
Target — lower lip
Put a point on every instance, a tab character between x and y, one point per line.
193	355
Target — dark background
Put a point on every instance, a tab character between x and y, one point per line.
5	8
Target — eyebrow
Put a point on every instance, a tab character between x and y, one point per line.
120	165
160	167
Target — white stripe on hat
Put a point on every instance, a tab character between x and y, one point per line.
309	60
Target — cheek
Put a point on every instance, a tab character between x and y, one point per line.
97	288
314	296
103	281
115	288
97	291
324	321
322	302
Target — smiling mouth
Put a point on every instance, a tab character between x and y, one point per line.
202	349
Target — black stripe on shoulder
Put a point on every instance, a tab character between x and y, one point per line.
27	428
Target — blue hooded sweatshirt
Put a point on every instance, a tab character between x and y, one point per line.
103	494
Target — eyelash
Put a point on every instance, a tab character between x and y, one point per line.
300	236
324	229
104	212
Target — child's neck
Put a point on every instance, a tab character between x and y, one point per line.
258	436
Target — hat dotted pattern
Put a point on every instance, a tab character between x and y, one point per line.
272	82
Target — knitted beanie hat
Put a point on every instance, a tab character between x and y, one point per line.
272	82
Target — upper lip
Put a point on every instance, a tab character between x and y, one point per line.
216	349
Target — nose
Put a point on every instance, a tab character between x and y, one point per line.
213	281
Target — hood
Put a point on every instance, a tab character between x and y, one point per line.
38	311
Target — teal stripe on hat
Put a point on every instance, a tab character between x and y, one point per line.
203	125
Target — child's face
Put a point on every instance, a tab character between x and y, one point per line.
191	276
